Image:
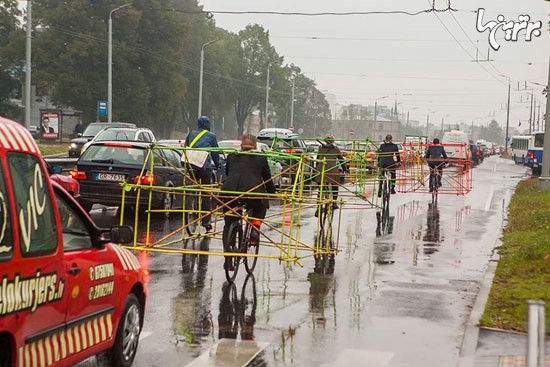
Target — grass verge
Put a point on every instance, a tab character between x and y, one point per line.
523	271
48	149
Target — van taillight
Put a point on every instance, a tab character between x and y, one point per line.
78	175
145	180
530	155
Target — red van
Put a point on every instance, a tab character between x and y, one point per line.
67	290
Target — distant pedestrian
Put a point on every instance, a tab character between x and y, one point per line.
78	129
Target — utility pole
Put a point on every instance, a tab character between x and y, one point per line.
531	114
292	104
544	180
28	67
427	124
199	109
267	96
507	119
110	64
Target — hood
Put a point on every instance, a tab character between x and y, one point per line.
204	123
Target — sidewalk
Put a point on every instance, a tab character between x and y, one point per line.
483	347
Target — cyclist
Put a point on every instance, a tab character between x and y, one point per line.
203	138
248	173
436	156
388	160
334	163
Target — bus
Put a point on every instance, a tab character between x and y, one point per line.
520	146
535	153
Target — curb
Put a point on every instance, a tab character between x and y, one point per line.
471	332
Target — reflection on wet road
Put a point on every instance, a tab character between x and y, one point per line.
397	294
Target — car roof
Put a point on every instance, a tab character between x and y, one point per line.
277	132
123	144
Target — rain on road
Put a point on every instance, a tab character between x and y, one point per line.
396	299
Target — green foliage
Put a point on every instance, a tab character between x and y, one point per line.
10	29
523	271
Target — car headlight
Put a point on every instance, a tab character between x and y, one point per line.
74	145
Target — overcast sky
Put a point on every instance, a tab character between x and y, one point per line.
426	62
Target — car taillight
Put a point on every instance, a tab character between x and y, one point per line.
78	175
530	155
291	151
147	179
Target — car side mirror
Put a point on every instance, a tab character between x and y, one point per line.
122	234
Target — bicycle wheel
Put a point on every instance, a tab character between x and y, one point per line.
191	216
251	249
232	243
247	315
386	192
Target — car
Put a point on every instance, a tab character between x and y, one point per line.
67	182
105	165
475	154
91	130
229	146
122	134
360	155
69	291
289	143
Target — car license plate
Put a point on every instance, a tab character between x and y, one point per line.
110	177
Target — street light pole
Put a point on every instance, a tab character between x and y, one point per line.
544	180
28	67
110	65
267	96
507	119
199	110
292	103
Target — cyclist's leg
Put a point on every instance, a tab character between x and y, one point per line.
393	179
439	174
205	177
381	181
258	210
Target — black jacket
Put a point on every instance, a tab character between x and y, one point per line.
245	171
386	154
434	155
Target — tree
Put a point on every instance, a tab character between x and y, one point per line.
10	67
255	54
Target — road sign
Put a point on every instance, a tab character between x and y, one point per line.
351	132
102	108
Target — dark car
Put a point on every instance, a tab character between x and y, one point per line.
91	130
476	155
105	165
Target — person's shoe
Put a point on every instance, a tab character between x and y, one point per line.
316	213
393	190
254	238
431	190
379	193
440	184
207	227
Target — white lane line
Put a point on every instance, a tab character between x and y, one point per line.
489	197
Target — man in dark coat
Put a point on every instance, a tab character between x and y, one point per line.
388	159
203	138
334	163
248	172
436	156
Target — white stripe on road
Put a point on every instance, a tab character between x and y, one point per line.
489	197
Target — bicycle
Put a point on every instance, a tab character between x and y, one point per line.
237	240
238	313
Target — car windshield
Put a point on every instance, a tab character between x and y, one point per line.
114	154
92	130
111	134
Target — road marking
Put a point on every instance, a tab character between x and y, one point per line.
489	197
229	353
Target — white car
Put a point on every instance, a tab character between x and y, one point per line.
122	134
229	146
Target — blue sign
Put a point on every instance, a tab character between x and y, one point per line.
102	108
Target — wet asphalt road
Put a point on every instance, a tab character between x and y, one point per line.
398	299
